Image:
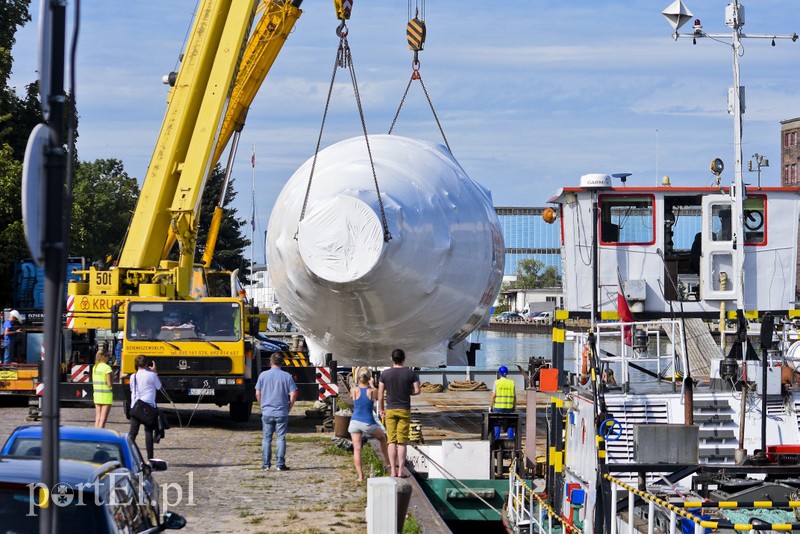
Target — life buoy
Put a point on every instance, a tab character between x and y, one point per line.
584	378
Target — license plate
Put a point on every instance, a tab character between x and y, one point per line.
201	391
8	375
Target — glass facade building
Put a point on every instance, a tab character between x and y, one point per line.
528	236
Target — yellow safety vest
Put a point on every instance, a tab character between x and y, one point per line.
504	393
102	391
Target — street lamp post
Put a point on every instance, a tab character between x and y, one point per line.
677	14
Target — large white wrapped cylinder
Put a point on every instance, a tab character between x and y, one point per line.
358	297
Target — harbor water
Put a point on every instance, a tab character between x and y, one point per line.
512	349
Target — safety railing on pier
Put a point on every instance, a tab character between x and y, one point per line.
527	512
673	510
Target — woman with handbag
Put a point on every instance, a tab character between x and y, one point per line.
144	384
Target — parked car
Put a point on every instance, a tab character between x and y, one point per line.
508	317
270	344
529	317
95	445
543	318
89	499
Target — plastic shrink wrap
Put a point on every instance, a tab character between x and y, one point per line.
357	296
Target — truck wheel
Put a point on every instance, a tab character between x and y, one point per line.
126	408
240	411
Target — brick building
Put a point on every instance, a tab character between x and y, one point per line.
790	158
790	152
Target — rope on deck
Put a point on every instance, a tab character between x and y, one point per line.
467	385
428	387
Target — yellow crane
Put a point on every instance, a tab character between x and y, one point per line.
199	342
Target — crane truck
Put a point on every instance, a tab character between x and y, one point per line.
203	343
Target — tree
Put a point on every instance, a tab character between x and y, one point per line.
12	238
229	252
104	197
15	114
13	13
533	274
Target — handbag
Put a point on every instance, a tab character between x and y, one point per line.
144	412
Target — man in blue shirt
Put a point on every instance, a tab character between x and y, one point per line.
276	393
10	330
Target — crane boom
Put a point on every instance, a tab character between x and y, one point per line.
181	160
222	69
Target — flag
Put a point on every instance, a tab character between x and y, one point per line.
625	316
623	310
253	159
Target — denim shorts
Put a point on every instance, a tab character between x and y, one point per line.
368	429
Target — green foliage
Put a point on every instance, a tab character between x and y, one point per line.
231	242
12	237
532	274
104	197
18	116
372	463
410	526
335	450
13	13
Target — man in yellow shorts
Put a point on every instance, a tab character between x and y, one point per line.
395	388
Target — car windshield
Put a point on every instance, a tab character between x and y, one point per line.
208	321
19	513
87	451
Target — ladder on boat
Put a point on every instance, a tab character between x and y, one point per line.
700	346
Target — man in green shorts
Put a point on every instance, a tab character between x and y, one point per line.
396	386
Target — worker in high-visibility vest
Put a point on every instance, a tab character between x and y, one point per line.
101	386
504	398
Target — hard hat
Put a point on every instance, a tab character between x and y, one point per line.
503	370
15	315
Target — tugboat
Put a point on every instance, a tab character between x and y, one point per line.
681	411
656	406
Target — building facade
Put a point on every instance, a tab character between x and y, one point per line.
790	152
528	236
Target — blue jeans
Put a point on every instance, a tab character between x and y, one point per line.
277	425
8	352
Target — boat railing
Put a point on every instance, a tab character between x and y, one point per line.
527	509
675	509
640	345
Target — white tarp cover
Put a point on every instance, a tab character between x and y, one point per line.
358	297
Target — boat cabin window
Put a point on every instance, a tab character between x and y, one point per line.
755	218
627	219
721	222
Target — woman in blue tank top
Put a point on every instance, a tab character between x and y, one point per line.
363	420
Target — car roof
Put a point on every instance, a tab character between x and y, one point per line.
81	433
27	470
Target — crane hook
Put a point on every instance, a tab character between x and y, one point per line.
342	30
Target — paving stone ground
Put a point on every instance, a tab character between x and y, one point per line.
215	478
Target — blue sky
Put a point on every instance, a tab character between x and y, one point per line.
531	94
